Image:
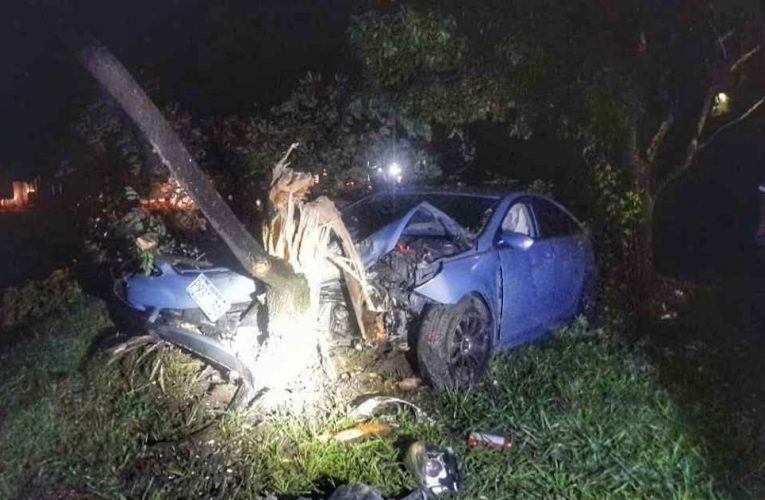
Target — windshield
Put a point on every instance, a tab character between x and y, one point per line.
372	213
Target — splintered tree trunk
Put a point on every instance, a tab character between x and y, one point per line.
288	291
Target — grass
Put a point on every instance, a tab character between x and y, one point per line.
710	358
585	415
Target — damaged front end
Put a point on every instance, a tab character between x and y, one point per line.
398	258
161	304
404	255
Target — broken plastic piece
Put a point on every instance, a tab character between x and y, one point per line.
435	468
366	407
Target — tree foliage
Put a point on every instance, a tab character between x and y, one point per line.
342	133
633	83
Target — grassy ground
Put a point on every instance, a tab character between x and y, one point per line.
585	415
711	360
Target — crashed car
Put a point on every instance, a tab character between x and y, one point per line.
458	277
472	274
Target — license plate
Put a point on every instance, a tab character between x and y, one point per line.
208	298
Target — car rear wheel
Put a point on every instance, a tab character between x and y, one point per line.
454	344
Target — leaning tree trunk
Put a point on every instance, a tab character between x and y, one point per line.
288	292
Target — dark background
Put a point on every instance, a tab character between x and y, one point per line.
231	56
210	57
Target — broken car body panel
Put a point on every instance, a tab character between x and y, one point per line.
472	274
165	288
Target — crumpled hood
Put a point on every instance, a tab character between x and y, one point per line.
384	240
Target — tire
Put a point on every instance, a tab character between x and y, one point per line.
454	344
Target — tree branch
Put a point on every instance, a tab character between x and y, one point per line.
693	144
731	123
658	138
744	58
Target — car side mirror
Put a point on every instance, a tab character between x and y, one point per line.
509	239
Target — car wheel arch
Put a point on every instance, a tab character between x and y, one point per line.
434	349
494	327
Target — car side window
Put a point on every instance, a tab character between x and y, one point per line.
518	220
553	222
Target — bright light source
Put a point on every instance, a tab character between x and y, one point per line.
394	169
721	104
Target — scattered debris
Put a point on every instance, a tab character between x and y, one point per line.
145	243
130	344
366	407
489	441
435	468
410	384
168	195
360	432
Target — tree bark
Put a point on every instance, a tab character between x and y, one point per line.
639	252
113	76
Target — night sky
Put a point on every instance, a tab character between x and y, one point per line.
210	57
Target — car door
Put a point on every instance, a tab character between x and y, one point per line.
520	314
560	271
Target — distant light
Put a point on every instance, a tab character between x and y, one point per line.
394	169
721	104
379	169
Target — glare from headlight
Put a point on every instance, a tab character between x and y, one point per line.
394	169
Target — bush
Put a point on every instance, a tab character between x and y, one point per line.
38	299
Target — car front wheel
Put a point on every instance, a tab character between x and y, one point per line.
454	343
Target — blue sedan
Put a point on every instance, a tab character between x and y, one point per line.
478	273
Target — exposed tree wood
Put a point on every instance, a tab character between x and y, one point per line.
299	232
110	73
